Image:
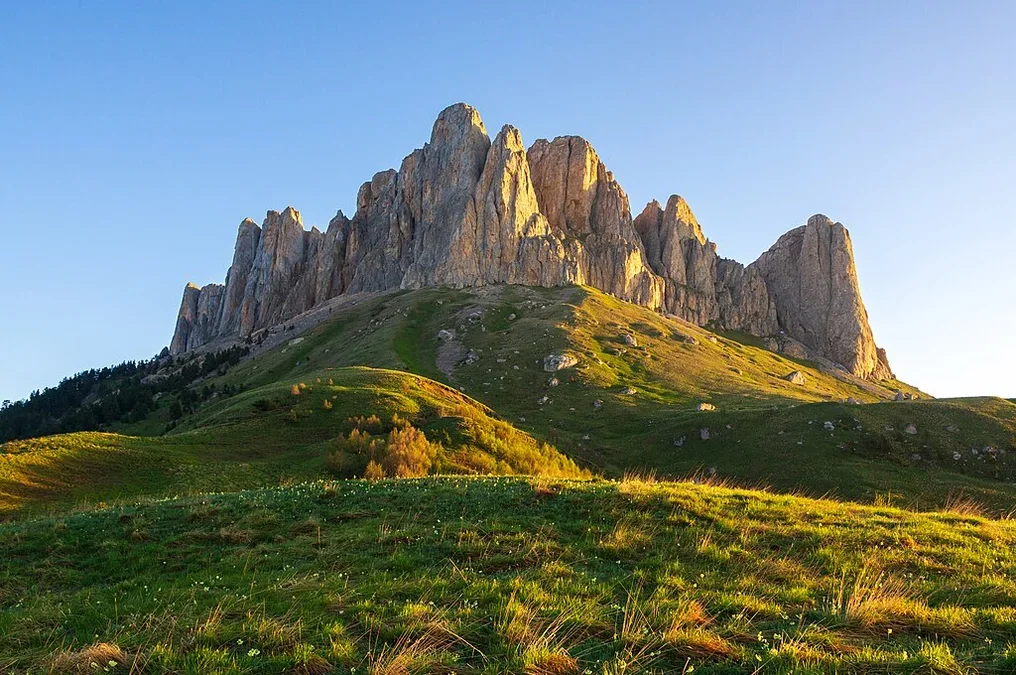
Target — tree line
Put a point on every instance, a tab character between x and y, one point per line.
128	392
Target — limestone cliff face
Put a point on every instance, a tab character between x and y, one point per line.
198	319
700	286
464	211
812	278
244	252
588	211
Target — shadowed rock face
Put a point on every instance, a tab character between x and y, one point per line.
465	211
197	322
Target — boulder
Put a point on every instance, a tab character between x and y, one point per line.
795	377
555	362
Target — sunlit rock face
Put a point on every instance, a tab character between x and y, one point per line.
464	211
811	276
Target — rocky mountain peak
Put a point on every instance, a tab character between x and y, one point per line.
679	213
466	211
811	275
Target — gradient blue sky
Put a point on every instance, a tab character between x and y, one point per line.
134	137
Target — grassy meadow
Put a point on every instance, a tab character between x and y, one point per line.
508	575
405	489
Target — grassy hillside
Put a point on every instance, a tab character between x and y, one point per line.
277	433
624	407
629	403
507	575
212	534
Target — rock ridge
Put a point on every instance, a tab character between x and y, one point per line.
466	211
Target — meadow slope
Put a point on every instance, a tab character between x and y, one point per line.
496	575
631	402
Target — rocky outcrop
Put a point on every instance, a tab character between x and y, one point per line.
700	286
811	276
588	211
198	320
244	252
464	211
743	300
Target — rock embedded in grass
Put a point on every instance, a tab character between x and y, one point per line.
795	377
555	362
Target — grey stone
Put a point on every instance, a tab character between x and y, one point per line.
555	362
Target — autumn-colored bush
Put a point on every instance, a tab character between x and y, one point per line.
408	452
374	471
405	452
371	423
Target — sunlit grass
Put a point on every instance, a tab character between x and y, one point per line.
509	575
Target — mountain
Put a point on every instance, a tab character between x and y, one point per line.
464	211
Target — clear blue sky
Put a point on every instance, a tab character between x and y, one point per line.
134	137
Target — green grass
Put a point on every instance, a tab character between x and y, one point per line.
214	546
265	436
494	575
620	408
590	416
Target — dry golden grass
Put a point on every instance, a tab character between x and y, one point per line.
554	664
628	535
420	653
964	505
697	643
96	658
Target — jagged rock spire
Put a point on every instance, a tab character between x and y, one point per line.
811	275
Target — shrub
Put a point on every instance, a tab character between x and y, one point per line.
372	423
266	404
408	452
374	471
352	453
